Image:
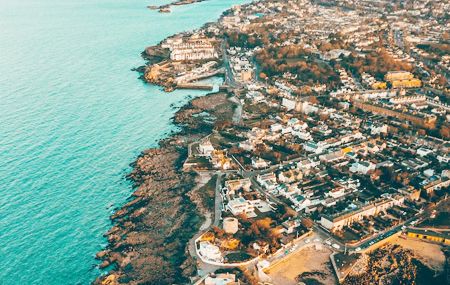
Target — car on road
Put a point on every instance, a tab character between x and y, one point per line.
336	246
328	242
358	249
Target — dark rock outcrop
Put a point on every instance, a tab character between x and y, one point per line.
149	237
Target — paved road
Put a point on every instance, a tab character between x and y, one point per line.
204	268
229	79
237	115
398	37
261	190
218	200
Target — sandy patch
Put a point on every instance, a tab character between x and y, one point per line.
430	254
306	260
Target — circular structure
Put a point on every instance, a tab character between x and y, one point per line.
230	225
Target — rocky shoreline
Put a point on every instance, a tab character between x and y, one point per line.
166	7
149	238
147	243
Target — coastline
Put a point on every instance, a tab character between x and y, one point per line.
148	241
166	7
84	143
340	125
154	238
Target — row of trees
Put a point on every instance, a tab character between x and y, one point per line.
335	41
439	49
290	51
295	60
377	63
245	40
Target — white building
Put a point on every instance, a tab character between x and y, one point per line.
246	145
424	152
300	202
308	163
336	192
355	213
259	163
303	135
205	147
210	251
236	184
268	181
311	146
240	206
362	167
194	48
221	279
290	226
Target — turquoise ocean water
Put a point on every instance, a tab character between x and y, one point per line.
72	118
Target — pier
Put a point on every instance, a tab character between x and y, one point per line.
202	86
